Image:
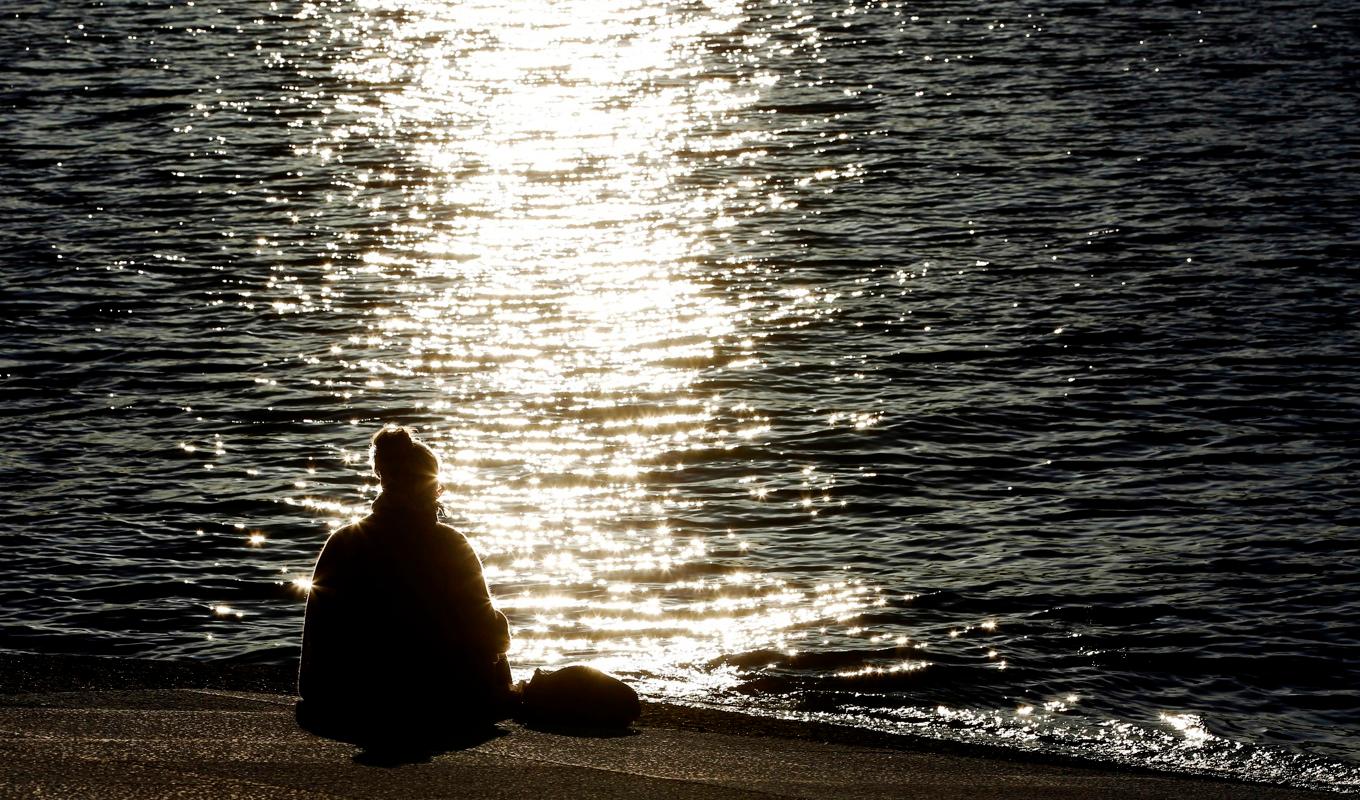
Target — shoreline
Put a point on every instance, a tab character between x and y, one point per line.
95	686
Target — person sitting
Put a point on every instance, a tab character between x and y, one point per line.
400	637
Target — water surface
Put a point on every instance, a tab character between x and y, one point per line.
985	377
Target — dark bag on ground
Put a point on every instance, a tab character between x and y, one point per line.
580	696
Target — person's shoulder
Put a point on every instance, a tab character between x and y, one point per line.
354	529
347	536
455	541
450	533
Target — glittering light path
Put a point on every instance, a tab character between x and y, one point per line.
536	297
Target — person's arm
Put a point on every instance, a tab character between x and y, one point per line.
484	628
321	626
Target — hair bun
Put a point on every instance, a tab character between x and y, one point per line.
393	438
401	461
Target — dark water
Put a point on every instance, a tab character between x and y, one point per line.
989	376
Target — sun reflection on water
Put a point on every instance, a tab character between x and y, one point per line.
536	307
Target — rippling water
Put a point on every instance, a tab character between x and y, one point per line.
990	377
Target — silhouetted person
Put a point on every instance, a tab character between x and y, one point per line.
400	638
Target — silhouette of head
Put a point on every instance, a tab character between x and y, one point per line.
407	468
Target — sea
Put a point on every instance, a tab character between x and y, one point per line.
980	371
